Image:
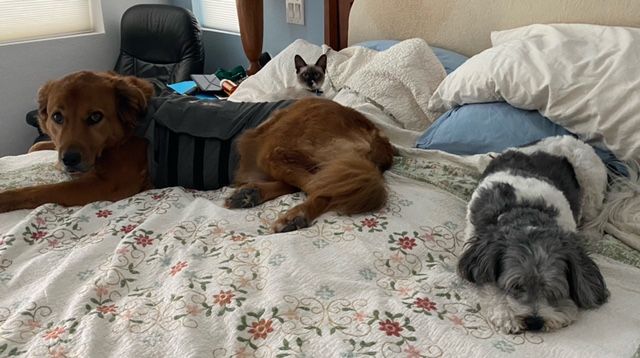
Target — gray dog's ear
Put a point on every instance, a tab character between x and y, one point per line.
586	284
480	263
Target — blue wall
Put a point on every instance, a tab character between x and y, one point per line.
224	50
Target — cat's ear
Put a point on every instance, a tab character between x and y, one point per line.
299	63
322	62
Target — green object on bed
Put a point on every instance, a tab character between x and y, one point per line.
236	74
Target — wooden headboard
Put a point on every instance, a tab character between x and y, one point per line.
336	23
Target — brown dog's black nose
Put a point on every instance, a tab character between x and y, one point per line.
71	159
534	323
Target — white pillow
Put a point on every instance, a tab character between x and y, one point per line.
585	78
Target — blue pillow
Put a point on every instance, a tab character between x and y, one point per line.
450	60
378	45
493	127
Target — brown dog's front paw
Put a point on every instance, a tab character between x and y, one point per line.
287	223
243	198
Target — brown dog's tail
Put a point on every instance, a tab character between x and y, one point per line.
351	184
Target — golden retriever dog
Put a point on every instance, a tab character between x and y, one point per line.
331	152
90	118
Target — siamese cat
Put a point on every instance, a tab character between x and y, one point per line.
310	78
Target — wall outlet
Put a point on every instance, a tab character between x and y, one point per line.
295	11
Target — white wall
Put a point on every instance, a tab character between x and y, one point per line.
25	67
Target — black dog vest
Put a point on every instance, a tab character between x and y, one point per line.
192	142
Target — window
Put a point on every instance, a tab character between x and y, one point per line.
218	15
22	20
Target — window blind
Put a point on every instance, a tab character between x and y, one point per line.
33	19
217	14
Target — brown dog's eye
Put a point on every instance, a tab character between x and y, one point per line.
94	118
57	117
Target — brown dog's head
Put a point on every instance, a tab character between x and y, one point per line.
86	112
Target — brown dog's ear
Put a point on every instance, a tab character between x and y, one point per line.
145	86
133	94
43	98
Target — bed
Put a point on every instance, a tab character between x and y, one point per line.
172	273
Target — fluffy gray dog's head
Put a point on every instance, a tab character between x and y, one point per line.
539	272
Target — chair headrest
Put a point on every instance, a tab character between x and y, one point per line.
160	33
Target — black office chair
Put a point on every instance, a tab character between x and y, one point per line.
162	43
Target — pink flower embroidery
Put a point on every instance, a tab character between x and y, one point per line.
54	333
249	250
104	309
407	243
425	303
223	298
291	314
58	352
126	315
260	329
144	240
242	353
412	352
178	267
397	257
360	316
33	324
122	250
38	235
369	222
128	228
391	328
102	291
157	196
103	213
428	237
456	320
53	243
193	310
404	291
237	237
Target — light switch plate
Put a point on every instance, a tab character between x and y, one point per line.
295	11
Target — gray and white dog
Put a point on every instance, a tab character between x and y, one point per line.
523	248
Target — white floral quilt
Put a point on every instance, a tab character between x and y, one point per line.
171	273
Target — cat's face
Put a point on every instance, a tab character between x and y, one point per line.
311	77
